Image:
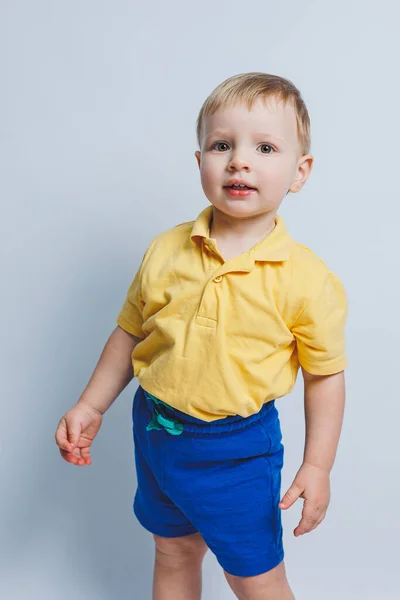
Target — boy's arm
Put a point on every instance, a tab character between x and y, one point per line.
324	400
113	371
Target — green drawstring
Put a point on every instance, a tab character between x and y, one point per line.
160	422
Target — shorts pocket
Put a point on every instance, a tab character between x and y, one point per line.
274	465
274	460
272	428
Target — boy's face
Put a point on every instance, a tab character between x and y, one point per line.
259	146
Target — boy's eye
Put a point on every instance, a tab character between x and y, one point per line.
215	146
267	146
219	143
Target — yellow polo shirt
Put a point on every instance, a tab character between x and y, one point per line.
221	338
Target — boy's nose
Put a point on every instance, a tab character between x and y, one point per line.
239	162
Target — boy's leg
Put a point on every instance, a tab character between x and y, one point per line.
177	569
271	585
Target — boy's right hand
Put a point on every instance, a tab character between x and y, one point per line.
75	433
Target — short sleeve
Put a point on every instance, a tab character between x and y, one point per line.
319	329
130	317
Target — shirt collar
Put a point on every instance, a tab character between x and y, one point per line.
275	247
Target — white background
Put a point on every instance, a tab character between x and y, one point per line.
97	138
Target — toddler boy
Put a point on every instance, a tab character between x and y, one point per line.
220	316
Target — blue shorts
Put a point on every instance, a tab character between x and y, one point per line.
221	479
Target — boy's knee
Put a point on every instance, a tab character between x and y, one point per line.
271	585
180	549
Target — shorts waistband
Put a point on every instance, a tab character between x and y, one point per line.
176	422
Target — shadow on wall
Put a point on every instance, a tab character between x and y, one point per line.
76	524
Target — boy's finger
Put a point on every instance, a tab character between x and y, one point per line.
308	524
317	521
74	432
291	496
305	526
310	518
72	458
61	436
85	453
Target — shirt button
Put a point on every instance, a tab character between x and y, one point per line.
218	278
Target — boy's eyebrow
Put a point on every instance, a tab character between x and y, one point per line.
268	135
216	132
257	134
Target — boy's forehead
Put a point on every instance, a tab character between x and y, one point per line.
266	116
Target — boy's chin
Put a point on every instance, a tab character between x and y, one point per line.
238	209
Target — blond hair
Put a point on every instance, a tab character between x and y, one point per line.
247	88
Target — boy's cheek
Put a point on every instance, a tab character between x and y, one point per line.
210	180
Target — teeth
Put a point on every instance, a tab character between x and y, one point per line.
239	185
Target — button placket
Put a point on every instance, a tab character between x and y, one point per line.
208	304
206	313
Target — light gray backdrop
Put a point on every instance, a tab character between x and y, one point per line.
97	138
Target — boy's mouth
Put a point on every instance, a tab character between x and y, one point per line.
239	187
236	191
235	183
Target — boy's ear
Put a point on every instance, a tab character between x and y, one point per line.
198	156
304	169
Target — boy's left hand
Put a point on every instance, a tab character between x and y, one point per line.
311	483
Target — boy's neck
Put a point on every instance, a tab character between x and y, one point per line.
225	227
